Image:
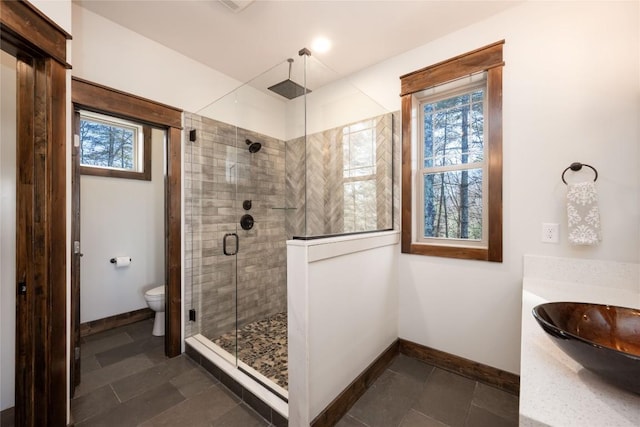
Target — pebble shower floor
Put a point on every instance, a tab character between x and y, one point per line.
263	346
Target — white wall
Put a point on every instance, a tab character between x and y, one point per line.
251	109
328	107
571	93
121	217
7	229
128	61
192	86
343	306
59	11
112	55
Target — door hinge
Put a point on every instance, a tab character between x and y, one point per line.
76	140
76	247
192	315
22	287
76	353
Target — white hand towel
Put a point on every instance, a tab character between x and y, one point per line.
583	214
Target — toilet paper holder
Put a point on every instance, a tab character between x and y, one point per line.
114	260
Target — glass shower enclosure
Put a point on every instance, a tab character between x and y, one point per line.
295	153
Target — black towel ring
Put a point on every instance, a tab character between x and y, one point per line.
576	166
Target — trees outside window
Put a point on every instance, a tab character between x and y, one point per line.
453	165
113	147
452	157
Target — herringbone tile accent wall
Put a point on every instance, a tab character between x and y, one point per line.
397	162
384	170
324	181
295	187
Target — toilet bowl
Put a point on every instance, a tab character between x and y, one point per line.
155	301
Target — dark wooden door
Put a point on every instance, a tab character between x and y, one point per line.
41	236
25	267
41	373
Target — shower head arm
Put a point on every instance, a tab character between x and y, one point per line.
290	61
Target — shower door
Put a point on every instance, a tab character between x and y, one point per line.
261	260
250	276
211	226
227	245
235	176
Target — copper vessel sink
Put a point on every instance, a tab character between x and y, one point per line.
604	339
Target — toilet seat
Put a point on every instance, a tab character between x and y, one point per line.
155	293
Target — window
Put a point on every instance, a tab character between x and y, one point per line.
452	167
452	157
359	174
114	147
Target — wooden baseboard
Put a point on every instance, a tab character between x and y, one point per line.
8	416
350	395
95	326
476	371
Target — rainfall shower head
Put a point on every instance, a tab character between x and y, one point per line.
288	88
254	147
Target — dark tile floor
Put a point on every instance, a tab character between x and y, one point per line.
127	381
411	393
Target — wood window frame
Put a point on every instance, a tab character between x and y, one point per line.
101	99
487	59
144	175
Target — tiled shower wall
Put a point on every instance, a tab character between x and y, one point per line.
213	209
324	202
397	169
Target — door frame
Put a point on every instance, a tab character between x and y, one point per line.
41	264
102	99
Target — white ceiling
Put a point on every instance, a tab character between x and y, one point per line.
245	44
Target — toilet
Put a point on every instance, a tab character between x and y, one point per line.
155	301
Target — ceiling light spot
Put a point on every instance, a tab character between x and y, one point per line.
320	45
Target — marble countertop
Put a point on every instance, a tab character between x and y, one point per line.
554	389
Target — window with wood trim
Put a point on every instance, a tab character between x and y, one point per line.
114	147
452	157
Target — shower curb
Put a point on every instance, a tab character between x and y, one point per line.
238	389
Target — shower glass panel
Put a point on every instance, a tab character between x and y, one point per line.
339	167
243	134
294	153
210	230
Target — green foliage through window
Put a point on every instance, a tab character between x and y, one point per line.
453	164
454	130
453	204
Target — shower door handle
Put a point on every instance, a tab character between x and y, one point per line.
224	244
